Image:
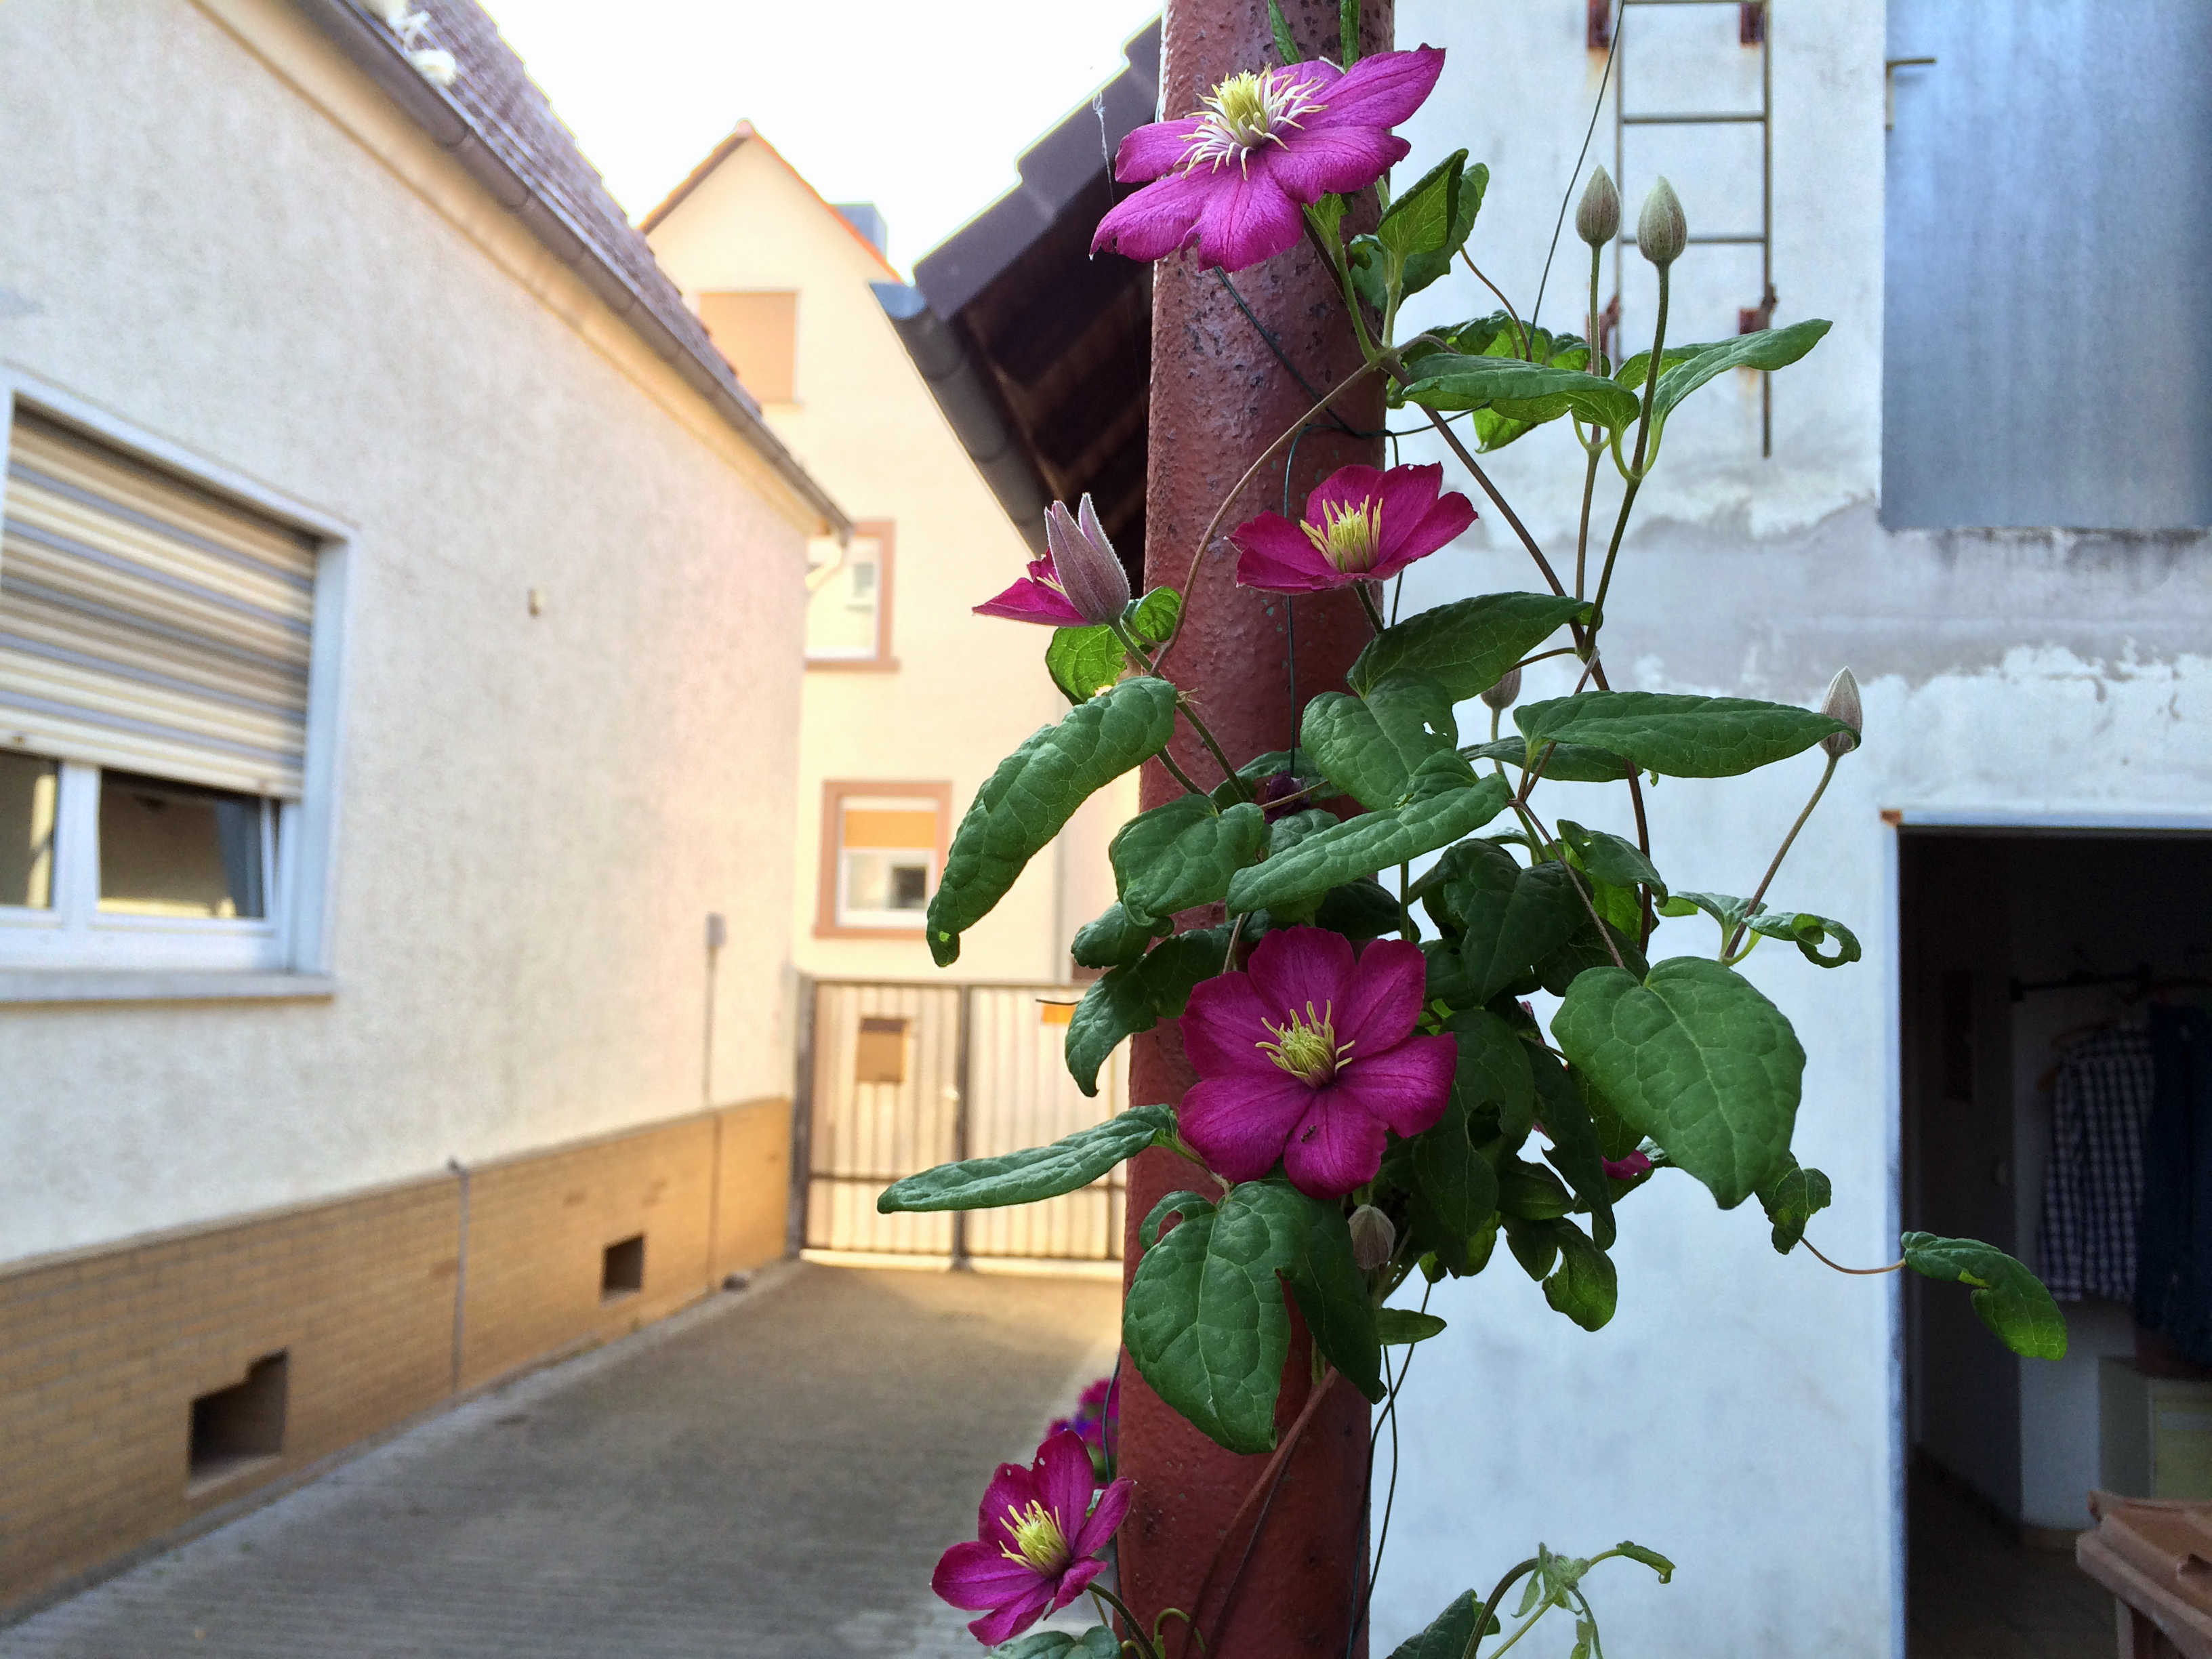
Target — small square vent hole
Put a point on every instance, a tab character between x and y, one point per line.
621	1269
240	1427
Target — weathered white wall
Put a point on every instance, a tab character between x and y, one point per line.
278	271
1738	1415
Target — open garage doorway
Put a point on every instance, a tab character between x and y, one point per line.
2040	972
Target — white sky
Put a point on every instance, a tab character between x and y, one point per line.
922	110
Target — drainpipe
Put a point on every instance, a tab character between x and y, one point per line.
1303	1588
460	1272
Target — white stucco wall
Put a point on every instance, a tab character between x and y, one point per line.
1740	1413
213	227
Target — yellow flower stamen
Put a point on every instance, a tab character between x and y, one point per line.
1245	111
1038	1541
1350	534
1307	1048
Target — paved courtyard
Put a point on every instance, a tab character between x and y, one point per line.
772	1475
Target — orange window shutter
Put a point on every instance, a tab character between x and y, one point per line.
898	829
759	334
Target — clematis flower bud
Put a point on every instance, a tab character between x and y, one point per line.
1503	695
1842	703
1597	219
1662	232
1090	571
1373	1238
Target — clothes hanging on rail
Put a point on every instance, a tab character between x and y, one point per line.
2092	1185
2173	1231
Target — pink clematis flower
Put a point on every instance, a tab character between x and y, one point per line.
1231	179
1360	526
1079	580
1038	1543
1628	1168
1309	1056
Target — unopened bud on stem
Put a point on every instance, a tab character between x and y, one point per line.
1597	219
1662	232
1373	1238
1089	570
1503	695
1842	703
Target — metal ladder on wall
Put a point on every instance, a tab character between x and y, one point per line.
1754	28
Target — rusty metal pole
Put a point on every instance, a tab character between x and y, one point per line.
1219	397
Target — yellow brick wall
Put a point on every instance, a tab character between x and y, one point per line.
103	1351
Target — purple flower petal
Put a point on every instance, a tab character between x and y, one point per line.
1345	158
1011	1620
1246	218
1336	1148
1382	999
1075	1581
975	1575
1295	966
1353	486
1380	91
1222	1027
1274	553
1012	1487
1239	1124
1113	1505
1407	1086
1032	602
1064	1481
1152	150
1156	221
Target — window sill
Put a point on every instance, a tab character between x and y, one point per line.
852	665
21	985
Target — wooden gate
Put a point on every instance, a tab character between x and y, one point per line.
901	1077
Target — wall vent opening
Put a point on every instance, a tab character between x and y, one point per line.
240	1427
621	1269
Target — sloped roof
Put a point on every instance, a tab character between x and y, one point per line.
498	125
745	133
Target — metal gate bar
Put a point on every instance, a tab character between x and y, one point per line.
898	1078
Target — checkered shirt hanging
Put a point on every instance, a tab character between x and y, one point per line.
2093	1187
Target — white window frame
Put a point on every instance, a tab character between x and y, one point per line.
73	951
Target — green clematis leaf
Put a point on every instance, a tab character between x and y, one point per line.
1494	1080
1369	747
1402	1326
1520	391
1450	1634
1766	349
1331	1291
1450	1173
1513	918
1467	646
1137	996
1204	1323
2011	1301
1682	736
1182	854
1575	1152
1694	1057
1567	762
1111	938
1791	1199
1068	1164
1585	1286
1084	661
1446	802
1611	857
1034	793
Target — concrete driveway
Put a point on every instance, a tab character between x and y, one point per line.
772	1475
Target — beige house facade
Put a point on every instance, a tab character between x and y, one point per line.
911	700
401	638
